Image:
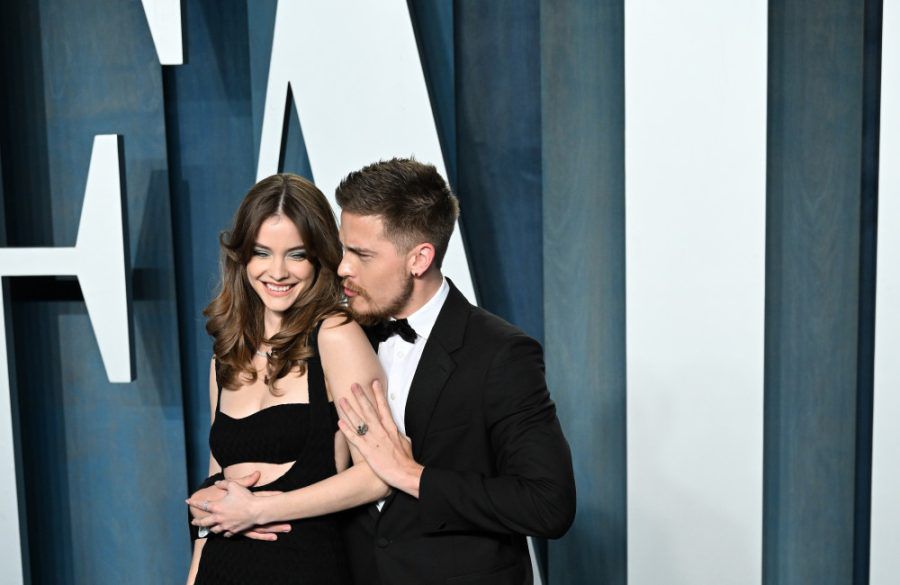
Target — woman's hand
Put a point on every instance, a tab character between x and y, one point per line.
238	511
200	499
208	494
201	506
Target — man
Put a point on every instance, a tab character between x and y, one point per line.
488	463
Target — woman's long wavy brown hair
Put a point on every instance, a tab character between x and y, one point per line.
235	317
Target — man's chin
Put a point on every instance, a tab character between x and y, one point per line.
377	313
364	319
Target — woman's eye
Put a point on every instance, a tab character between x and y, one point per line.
298	256
260	253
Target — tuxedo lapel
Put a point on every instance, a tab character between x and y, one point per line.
434	369
435	366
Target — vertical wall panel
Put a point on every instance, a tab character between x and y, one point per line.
885	543
498	122
23	126
812	289
868	243
433	25
24	165
14	563
695	103
583	115
210	147
261	30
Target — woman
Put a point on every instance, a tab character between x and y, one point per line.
285	351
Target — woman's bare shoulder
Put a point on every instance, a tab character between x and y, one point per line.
338	328
342	338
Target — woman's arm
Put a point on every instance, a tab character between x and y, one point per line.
347	358
211	492
214	468
195	560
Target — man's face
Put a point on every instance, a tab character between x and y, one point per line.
377	282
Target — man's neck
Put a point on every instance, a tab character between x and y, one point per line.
424	288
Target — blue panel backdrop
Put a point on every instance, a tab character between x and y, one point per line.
815	300
261	30
433	24
583	77
103	463
23	145
868	217
528	102
209	132
498	142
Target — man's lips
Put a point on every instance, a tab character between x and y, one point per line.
351	292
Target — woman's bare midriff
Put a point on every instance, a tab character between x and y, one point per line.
268	472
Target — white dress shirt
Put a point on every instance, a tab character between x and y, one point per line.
400	358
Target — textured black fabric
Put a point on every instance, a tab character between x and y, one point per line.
276	434
313	552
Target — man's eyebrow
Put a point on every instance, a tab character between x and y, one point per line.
359	251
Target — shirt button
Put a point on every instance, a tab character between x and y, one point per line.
383	542
393	396
401	354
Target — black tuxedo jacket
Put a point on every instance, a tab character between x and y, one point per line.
497	466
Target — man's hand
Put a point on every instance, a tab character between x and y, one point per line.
204	503
368	425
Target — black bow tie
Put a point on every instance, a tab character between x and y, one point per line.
386	329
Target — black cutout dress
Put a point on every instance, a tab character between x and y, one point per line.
312	553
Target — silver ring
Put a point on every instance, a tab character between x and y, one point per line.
362	429
205	505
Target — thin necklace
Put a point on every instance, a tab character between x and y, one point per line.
265	354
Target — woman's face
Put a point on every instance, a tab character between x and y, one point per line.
279	269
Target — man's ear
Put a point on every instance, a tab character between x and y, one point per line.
420	259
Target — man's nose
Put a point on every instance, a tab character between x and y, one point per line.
344	267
